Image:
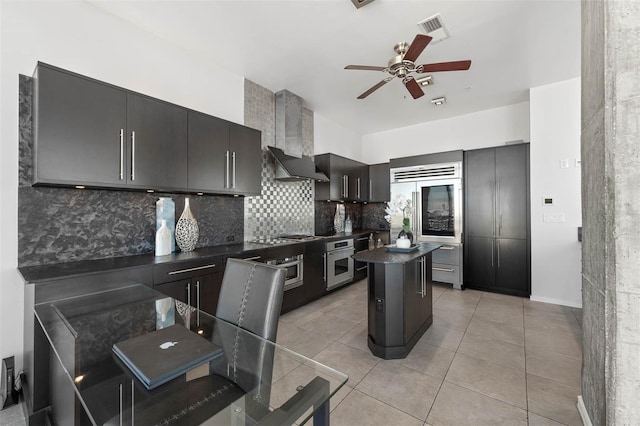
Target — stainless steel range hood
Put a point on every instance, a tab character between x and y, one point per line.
289	168
291	164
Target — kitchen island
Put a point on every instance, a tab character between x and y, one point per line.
399	298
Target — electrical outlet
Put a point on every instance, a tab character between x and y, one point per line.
230	238
380	305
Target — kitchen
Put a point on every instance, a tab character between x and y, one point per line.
488	129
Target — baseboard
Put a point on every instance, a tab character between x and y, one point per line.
555	301
586	421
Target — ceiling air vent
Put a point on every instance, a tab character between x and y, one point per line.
430	172
434	28
359	3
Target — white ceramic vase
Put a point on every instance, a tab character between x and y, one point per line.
187	229
163	240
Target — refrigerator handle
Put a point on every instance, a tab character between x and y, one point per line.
415	196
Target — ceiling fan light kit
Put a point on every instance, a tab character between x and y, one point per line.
403	64
427	80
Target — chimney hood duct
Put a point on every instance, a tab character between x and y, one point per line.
291	168
291	164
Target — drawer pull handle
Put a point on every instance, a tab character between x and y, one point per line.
197	268
363	239
252	258
446	248
442	269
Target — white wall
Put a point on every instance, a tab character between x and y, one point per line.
79	37
555	250
331	137
478	130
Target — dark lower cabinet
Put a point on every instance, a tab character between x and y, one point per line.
314	270
360	243
497	222
196	282
201	292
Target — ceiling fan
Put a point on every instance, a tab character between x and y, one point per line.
403	65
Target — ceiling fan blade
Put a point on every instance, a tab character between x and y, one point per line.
446	66
376	87
417	46
364	67
413	87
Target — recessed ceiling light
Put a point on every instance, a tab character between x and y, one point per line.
427	80
439	101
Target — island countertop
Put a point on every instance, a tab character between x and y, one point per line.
382	255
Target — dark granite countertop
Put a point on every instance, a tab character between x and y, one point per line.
43	273
382	255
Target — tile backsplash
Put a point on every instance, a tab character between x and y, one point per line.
57	225
282	207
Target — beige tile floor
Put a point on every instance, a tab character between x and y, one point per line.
488	359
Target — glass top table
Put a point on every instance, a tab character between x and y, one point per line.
253	380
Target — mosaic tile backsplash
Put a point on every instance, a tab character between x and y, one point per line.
57	225
282	207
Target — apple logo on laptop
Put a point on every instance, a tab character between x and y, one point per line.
167	345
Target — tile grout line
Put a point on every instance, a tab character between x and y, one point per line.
454	356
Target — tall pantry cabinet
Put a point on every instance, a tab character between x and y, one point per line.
497	223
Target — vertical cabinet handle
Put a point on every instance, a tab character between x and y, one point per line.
120	388
133	422
324	260
499	211
198	294
133	155
370	189
226	170
233	175
358	188
189	294
498	254
121	154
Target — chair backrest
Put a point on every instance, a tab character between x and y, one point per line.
251	296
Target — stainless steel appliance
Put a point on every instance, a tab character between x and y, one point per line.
435	193
339	263
294	267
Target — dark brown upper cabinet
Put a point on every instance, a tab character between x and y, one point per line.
379	183
94	134
348	179
224	157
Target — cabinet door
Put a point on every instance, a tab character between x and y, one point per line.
208	147
379	183
412	305
314	270
361	173
480	196
512	192
207	291
246	159
479	262
176	289
360	243
158	143
78	123
512	275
